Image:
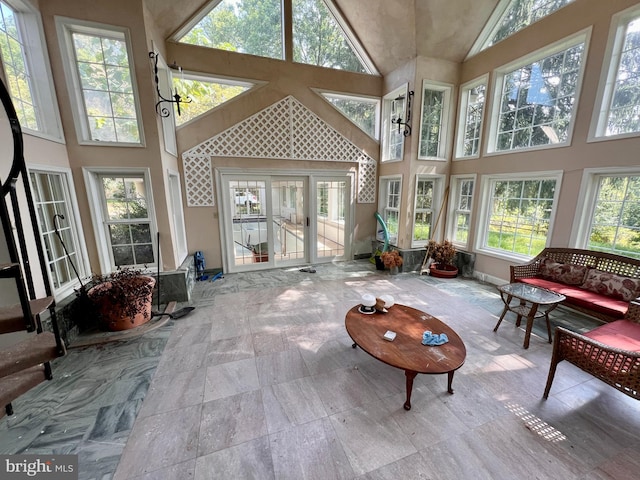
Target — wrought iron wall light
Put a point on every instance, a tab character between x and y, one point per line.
162	110
398	120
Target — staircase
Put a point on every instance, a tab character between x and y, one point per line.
25	364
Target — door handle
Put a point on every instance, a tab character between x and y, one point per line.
307	221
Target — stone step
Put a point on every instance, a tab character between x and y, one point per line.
30	352
12	318
13	386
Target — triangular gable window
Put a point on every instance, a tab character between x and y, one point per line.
205	94
320	38
245	26
363	111
511	16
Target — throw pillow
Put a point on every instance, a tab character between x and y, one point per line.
612	285
562	272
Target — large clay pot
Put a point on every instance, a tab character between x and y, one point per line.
111	314
443	271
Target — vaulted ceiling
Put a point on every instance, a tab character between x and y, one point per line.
392	32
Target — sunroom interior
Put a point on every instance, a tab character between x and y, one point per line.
504	135
268	134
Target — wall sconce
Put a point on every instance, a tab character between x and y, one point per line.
398	120
162	110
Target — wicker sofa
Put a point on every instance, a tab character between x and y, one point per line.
602	285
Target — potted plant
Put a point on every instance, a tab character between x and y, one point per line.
121	299
443	254
391	260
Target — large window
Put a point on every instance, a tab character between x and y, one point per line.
320	35
55	206
394	107
103	84
363	111
511	16
518	213
536	98
26	69
389	208
123	218
615	223
462	188
205	94
619	92
426	207
434	121
472	102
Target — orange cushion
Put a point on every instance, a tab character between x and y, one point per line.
623	334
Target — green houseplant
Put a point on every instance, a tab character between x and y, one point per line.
443	254
122	299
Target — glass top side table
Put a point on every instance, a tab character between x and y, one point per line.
529	299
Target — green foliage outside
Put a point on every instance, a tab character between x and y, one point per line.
360	112
204	96
432	105
255	27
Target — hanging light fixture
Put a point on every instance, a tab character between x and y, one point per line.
162	110
398	120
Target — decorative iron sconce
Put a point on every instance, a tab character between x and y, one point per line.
162	110
399	121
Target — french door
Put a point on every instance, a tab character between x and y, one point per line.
283	220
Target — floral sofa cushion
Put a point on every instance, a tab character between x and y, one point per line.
562	272
612	285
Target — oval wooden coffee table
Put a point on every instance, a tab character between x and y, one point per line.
406	350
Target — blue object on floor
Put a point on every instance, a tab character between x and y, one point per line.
216	276
434	339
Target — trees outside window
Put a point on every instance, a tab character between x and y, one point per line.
390	190
511	16
462	194
101	81
519	212
615	224
127	220
426	202
434	120
536	100
205	94
619	92
363	111
472	102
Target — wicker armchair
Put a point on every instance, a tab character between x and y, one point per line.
617	368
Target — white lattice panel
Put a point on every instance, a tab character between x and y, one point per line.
287	130
198	180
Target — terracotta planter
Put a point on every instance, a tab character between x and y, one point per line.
111	314
443	271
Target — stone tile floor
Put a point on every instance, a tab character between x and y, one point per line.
260	381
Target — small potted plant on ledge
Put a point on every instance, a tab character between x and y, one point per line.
443	255
121	299
392	260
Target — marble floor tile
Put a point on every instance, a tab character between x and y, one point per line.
230	378
309	451
160	441
250	460
371	437
231	421
260	381
291	403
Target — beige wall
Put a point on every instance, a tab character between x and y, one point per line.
573	159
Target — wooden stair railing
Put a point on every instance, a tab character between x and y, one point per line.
25	364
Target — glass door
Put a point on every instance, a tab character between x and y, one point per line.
289	220
247	199
332	195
